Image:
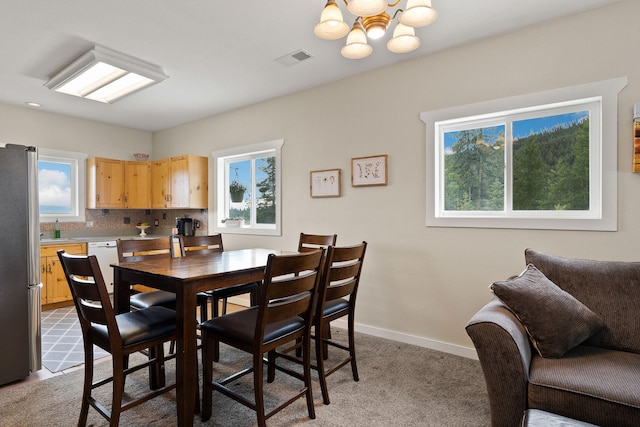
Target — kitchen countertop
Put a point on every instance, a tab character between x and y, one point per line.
68	240
76	236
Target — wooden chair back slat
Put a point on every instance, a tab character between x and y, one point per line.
134	250
201	244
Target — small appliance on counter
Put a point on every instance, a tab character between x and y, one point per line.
185	227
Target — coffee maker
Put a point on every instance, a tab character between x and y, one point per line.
185	227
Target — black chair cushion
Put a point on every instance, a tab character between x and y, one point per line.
144	300
241	325
335	306
138	326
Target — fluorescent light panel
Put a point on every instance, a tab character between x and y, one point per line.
104	75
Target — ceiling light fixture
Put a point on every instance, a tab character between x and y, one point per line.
105	75
372	21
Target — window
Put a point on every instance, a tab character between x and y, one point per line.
61	185
544	161
248	188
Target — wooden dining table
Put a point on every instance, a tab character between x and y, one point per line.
186	276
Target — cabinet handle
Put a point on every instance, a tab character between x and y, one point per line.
97	197
43	268
49	269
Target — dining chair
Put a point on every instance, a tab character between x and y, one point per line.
310	242
283	315
120	335
190	245
343	267
135	250
337	298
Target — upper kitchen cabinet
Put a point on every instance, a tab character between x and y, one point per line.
105	183
180	182
137	185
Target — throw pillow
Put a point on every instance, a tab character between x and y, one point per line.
555	320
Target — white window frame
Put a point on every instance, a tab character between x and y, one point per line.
221	189
603	161
77	161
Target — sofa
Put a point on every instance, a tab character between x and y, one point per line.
563	337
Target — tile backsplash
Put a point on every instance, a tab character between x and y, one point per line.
113	221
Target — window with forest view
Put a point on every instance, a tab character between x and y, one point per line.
549	158
545	160
248	189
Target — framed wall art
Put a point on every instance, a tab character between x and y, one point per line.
370	170
325	183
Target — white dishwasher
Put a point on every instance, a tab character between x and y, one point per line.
107	253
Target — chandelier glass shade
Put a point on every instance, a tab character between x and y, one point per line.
372	18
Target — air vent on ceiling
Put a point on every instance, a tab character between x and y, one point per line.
293	58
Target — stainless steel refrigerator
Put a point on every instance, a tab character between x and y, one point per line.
20	285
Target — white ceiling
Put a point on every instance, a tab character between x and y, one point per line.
218	55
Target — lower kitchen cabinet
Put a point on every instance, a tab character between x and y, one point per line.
55	290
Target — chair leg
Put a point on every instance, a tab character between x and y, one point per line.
271	366
326	334
204	312
306	351
207	377
88	381
319	345
253	295
257	387
118	390
224	306
352	347
156	370
215	307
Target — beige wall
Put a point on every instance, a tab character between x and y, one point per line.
422	284
28	126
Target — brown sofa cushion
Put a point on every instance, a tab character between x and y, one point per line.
555	321
599	385
611	289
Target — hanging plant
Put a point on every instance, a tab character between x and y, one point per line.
237	189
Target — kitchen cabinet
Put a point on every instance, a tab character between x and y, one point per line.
105	183
55	290
180	182
137	185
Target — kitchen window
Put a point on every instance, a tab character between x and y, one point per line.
61	185
541	161
247	191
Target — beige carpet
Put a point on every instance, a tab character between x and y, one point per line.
400	385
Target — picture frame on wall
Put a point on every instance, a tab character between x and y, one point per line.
325	183
370	170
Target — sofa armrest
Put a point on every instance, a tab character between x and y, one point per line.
504	352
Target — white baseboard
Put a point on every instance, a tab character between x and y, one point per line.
444	347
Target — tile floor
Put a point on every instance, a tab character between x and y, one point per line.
62	346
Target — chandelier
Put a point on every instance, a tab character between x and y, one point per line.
372	21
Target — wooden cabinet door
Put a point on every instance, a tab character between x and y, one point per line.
105	183
160	183
57	286
179	182
137	185
189	182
